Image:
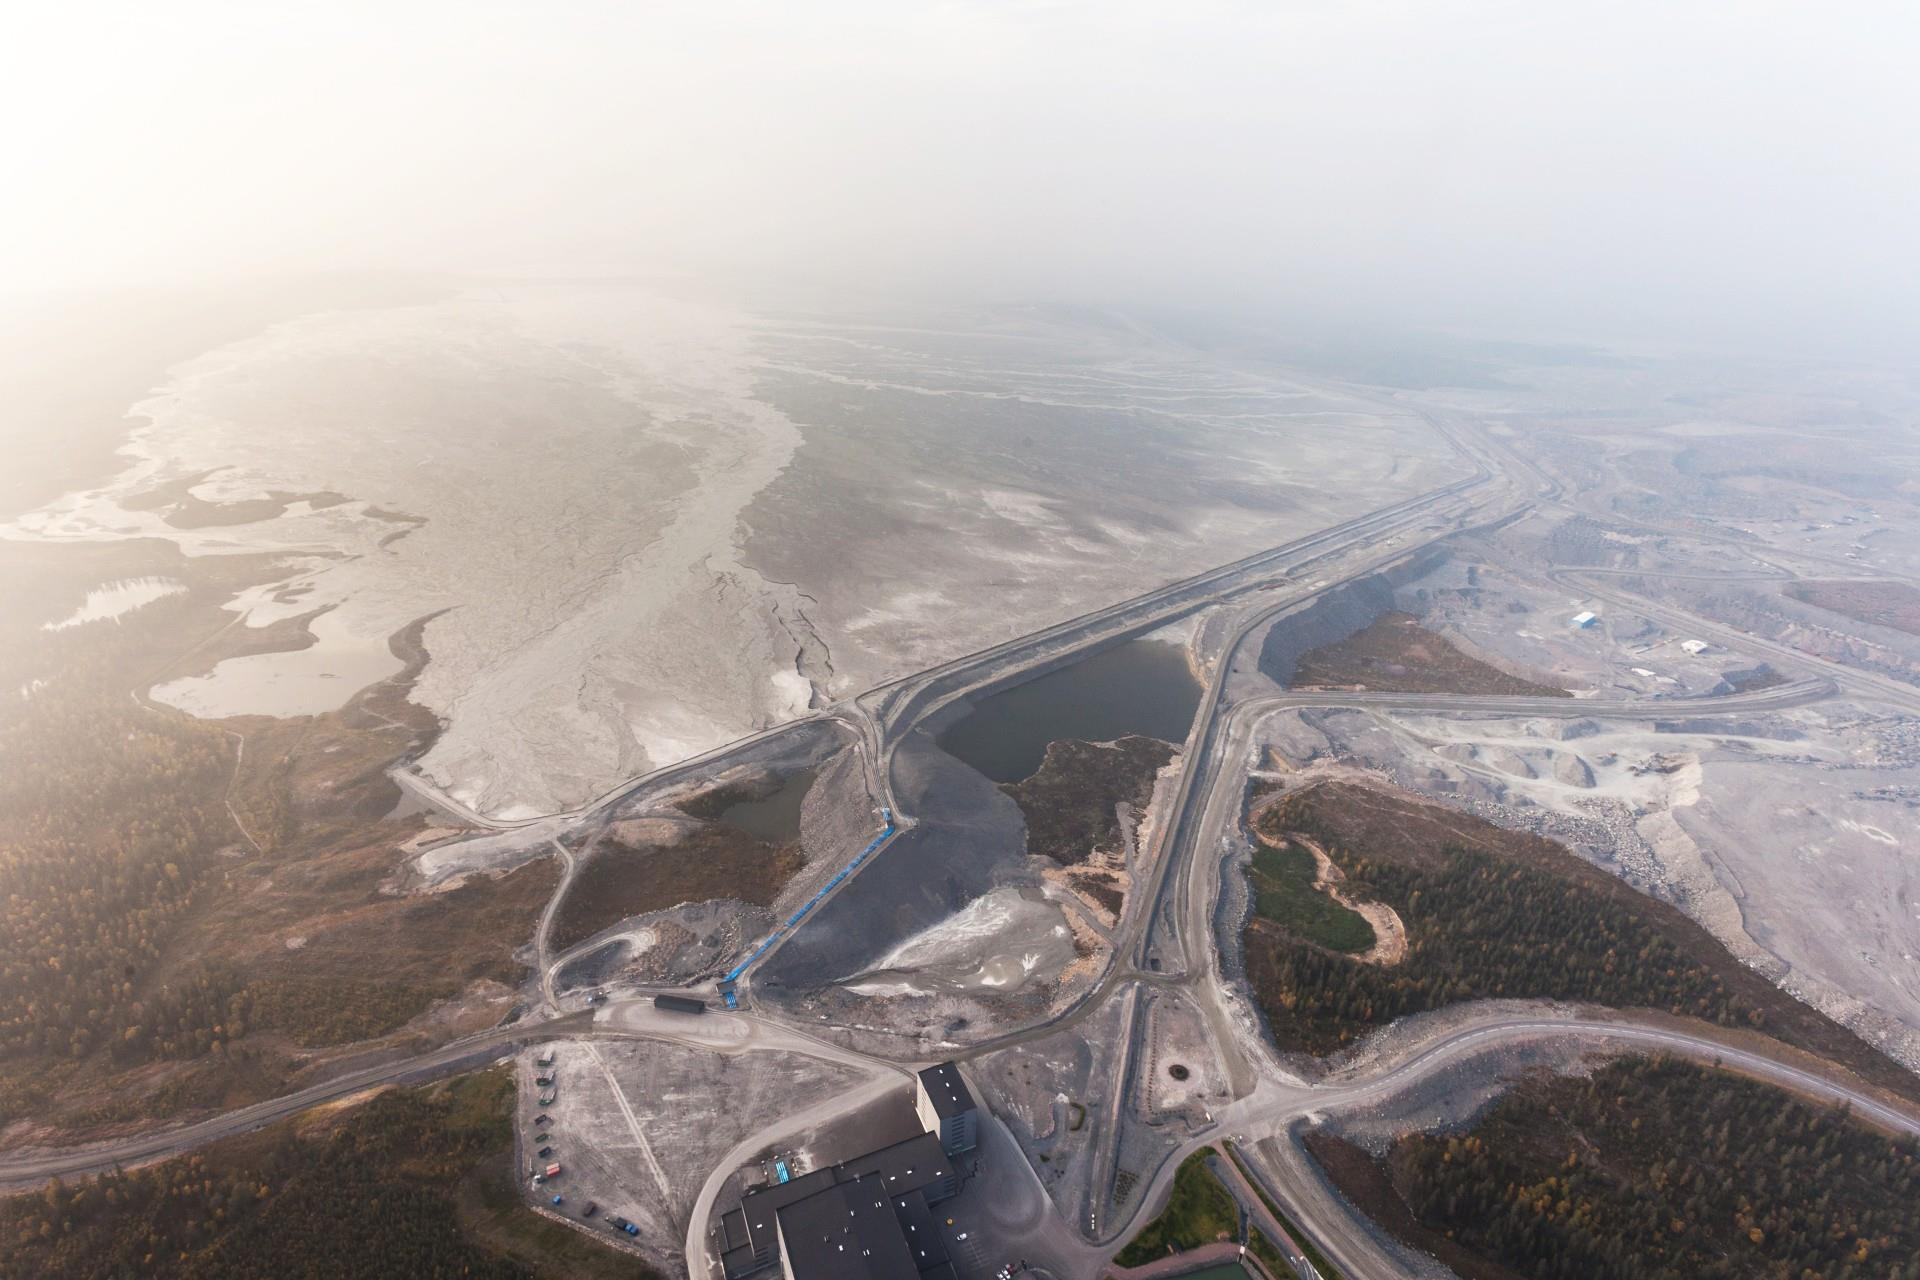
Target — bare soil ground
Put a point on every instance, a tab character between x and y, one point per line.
709	861
1884	604
1396	654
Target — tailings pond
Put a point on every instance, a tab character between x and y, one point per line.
774	818
1143	686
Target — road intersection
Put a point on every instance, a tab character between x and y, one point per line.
1166	939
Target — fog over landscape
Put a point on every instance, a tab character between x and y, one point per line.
1242	641
1645	171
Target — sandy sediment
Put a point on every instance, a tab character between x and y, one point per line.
649	526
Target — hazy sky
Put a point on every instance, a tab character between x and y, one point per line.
1720	170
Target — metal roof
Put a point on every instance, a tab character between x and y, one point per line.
846	1232
898	1170
947	1090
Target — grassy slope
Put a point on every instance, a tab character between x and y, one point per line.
1200	1211
1284	895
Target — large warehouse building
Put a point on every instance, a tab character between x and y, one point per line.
869	1218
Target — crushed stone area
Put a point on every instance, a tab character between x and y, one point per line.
637	1126
1789	837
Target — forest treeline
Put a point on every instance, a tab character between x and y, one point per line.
380	1191
1657	1169
132	902
1492	912
1478	926
111	817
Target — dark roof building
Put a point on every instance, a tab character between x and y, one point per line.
828	1223
855	1231
947	1108
945	1091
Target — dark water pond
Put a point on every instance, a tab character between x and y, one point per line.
775	818
1141	687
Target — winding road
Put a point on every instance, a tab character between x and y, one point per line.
1166	940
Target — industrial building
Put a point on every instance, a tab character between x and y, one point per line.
869	1218
947	1108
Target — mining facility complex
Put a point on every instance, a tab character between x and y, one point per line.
866	1218
1017	795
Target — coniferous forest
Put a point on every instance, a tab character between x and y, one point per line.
1477	929
412	1183
1658	1169
1479	925
110	820
1492	913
